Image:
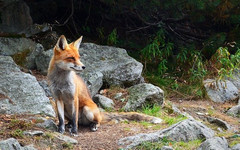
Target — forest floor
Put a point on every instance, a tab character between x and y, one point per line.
108	134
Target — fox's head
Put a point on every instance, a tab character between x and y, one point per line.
66	55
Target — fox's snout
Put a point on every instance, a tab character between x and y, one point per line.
78	67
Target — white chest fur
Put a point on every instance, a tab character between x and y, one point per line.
62	84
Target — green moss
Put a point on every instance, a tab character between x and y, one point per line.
49	135
165	113
18	133
191	145
20	58
234	141
67	145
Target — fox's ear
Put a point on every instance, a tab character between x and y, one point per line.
78	42
61	43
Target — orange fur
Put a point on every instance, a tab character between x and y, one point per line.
63	65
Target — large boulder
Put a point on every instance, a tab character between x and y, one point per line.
235	79
13	144
23	50
104	65
234	111
115	64
94	81
221	91
12	46
20	92
31	58
186	130
15	16
42	61
141	94
236	147
216	143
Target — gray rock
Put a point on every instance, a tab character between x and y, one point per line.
176	110
30	59
222	91
234	111
42	61
47	123
33	133
219	122
15	16
166	148
236	147
236	79
13	144
94	81
216	143
44	85
11	46
65	138
105	102
134	116
118	96
186	130
21	47
189	130
117	67
22	92
35	29
143	93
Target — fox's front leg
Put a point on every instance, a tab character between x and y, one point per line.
60	109
74	120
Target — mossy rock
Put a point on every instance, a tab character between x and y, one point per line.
20	58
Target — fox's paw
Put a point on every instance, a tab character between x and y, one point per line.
69	125
61	129
93	127
74	130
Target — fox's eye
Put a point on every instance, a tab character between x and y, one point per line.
70	58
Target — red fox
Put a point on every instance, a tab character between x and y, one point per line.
71	94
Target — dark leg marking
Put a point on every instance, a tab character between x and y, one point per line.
73	123
61	126
93	127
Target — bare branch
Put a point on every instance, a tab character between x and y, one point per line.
70	16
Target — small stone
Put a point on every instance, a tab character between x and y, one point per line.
166	148
65	138
105	102
199	113
216	143
141	94
219	123
118	96
46	123
33	133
